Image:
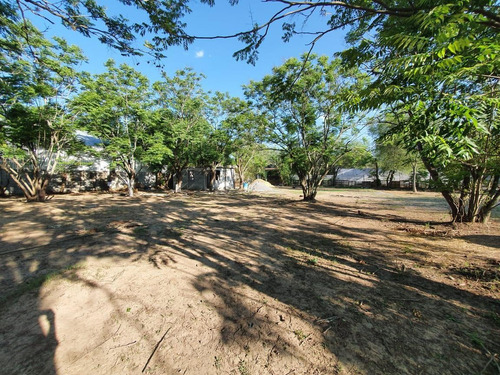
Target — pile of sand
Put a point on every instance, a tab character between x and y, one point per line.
260	185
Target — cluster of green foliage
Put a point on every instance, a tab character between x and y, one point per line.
435	75
167	126
435	71
35	125
306	103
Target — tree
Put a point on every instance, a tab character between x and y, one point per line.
215	147
364	17
283	164
437	71
391	156
36	129
358	156
436	59
460	152
161	22
116	107
181	116
245	128
309	123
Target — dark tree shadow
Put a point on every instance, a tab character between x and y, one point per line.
373	314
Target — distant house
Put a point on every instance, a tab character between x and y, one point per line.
364	177
199	179
88	173
353	177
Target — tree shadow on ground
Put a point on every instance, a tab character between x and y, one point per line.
395	320
281	263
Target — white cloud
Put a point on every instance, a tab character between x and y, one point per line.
200	54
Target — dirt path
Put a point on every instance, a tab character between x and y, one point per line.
358	283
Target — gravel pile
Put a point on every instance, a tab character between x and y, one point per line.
260	185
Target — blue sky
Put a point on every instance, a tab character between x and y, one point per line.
213	58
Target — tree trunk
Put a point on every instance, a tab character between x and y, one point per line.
178	182
308	190
131	184
492	200
447	195
64	180
378	183
390	178
169	183
213	174
335	172
239	170
33	188
158	180
414	178
37	191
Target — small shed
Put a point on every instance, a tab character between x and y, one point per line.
199	179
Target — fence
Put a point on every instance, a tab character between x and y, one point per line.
403	185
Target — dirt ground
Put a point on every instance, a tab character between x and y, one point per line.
361	282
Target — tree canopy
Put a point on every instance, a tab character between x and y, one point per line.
436	73
308	121
36	130
116	107
159	23
181	106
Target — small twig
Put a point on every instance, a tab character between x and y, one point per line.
271	351
239	328
255	313
485	367
95	347
493	358
155	349
305	338
327	320
121	346
117	276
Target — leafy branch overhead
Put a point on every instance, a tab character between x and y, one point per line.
162	23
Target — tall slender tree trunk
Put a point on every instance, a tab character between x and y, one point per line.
131	183
158	180
213	174
492	200
447	195
390	178
239	170
178	182
378	183
414	177
335	172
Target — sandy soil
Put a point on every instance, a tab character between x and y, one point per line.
361	282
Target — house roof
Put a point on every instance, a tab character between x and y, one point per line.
87	138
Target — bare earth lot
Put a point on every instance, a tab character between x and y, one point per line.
361	282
